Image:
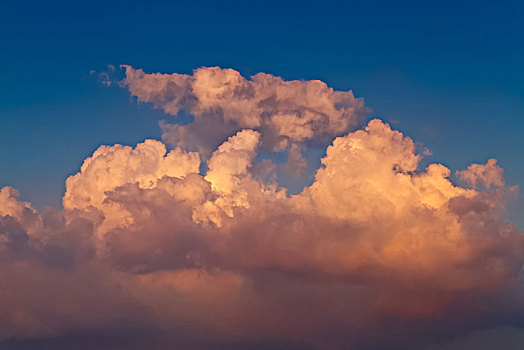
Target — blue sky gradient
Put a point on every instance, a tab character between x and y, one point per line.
449	75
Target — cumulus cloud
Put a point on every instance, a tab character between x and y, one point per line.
375	253
112	166
223	102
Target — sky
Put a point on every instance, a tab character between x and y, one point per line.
447	75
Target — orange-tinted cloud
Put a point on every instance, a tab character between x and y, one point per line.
375	245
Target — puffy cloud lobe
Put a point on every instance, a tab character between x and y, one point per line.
113	166
373	246
9	204
488	175
378	164
12	207
230	163
227	172
223	102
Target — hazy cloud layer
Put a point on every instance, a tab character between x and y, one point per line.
374	253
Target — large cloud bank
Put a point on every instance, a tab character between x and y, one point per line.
375	253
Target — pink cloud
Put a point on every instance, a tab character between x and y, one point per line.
373	243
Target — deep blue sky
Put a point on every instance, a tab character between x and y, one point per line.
448	74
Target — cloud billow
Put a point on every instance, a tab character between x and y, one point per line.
374	253
223	102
